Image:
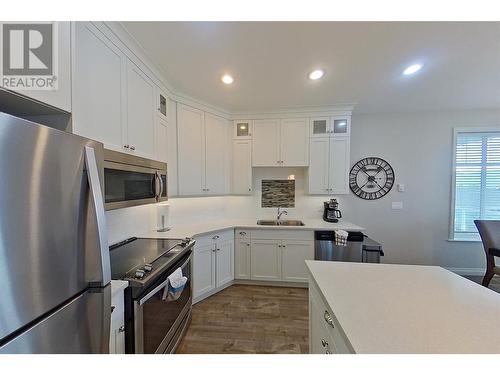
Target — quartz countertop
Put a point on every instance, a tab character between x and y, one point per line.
204	227
390	308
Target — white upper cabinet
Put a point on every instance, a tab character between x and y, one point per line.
280	143
242	129
99	75
202	152
339	165
161	140
191	150
215	157
294	145
319	167
265	145
242	167
141	94
335	126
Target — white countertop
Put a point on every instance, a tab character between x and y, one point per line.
389	308
204	227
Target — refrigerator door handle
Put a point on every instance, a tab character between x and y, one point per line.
102	261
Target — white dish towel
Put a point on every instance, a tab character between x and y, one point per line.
341	237
176	283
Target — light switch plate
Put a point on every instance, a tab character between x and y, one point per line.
401	188
397	205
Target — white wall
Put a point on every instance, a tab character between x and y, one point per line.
419	148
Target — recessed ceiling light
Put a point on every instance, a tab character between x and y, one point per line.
227	79
316	74
412	69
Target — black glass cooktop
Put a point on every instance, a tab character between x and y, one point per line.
131	254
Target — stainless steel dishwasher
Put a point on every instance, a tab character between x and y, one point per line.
325	248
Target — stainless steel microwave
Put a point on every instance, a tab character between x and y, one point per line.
132	181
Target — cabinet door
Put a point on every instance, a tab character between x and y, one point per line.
98	88
216	143
294	142
225	262
162	107
319	166
141	94
242	259
242	167
293	256
265	145
203	270
265	262
60	98
319	127
339	165
191	150
340	126
242	129
161	140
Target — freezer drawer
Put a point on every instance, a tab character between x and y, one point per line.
80	327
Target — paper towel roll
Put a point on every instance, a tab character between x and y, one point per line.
162	217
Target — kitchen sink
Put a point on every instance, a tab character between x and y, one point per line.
289	223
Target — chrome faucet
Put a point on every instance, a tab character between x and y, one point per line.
281	213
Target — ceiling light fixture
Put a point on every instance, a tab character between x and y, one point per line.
227	79
412	69
316	74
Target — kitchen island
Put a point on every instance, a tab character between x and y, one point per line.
389	308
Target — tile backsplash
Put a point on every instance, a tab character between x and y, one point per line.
278	193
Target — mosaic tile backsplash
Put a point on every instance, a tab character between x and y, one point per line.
278	193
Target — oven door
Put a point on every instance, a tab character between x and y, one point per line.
158	318
130	185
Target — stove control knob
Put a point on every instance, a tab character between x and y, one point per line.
139	274
148	267
185	242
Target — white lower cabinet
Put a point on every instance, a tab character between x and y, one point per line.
325	334
213	263
274	258
117	329
242	255
265	260
293	255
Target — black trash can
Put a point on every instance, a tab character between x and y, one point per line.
372	251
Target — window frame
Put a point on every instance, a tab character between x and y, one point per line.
456	132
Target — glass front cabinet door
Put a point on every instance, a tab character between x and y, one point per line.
336	126
320	127
340	125
242	129
162	103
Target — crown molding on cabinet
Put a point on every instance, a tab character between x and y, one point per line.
123	39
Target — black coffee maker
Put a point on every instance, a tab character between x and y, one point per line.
332	213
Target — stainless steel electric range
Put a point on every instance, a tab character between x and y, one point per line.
153	323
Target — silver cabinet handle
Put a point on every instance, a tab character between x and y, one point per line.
243	233
248	244
121	329
328	319
215	237
112	308
324	343
100	268
132	148
249	189
126	146
328	352
214	250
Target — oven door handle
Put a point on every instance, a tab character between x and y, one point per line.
161	286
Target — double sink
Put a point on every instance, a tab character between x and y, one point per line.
289	223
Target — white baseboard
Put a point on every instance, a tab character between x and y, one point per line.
467	271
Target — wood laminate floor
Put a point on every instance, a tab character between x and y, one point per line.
249	319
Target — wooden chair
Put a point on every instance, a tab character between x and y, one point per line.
489	230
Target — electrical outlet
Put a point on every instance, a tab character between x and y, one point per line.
397	205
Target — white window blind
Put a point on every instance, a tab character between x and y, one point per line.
477	182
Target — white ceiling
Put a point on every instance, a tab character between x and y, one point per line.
363	62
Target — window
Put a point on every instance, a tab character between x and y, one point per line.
476	181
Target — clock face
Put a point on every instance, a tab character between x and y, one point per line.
371	178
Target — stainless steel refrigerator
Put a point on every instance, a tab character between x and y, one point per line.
55	276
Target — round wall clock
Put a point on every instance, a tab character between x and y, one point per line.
371	178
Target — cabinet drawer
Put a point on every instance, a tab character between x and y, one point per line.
332	326
282	234
242	234
211	238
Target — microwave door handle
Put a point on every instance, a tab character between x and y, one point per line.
157	186
161	186
100	258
